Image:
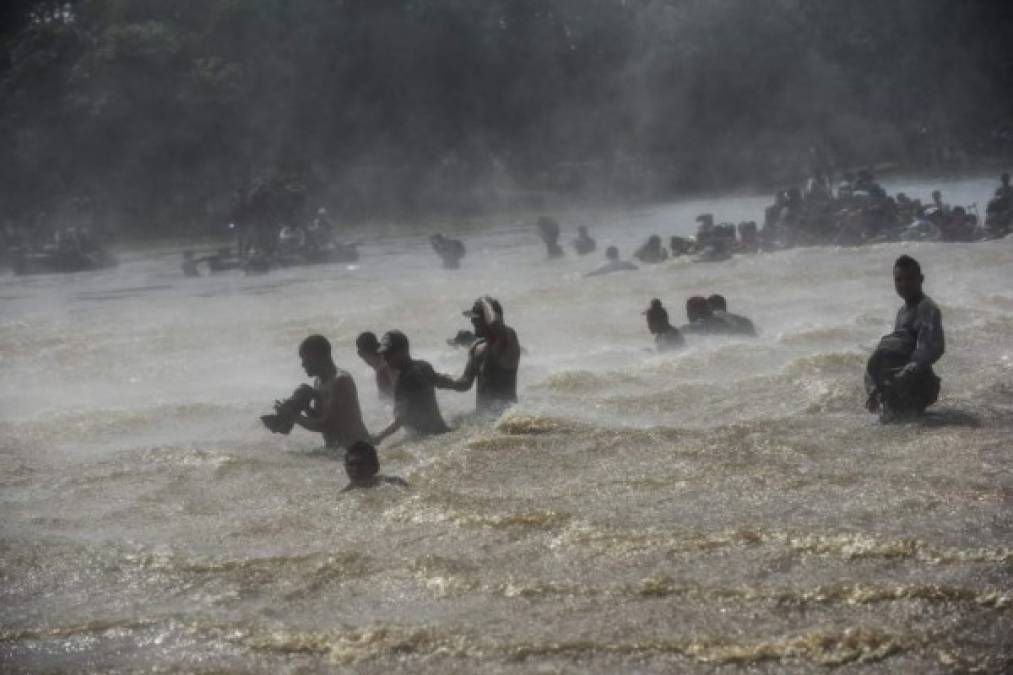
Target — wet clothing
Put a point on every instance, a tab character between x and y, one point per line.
900	372
415	399
495	385
737	324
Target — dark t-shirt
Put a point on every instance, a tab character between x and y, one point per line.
415	399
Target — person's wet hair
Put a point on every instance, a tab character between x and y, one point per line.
612	252
367	343
718	303
361	462
907	262
316	344
697	308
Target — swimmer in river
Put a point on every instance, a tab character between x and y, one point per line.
737	324
701	318
366	345
613	264
584	243
899	378
330	407
363	469
548	230
451	251
666	336
652	251
492	361
415	405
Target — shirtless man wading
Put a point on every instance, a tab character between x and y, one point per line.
334	409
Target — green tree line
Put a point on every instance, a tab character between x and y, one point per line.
149	115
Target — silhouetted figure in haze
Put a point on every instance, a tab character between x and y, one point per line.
666	336
680	246
451	251
190	264
701	318
651	251
999	211
1005	190
362	467
330	407
737	324
584	243
415	405
749	237
613	264
548	230
367	347
899	378
492	360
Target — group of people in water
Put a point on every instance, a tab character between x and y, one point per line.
331	406
858	212
899	379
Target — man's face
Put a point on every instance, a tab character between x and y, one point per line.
370	358
310	363
358	472
907	282
480	326
395	359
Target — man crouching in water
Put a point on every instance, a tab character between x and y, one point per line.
330	407
493	360
899	377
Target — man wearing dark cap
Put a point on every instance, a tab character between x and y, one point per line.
666	336
330	407
367	347
737	324
899	378
492	361
415	405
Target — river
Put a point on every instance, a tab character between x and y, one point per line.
727	506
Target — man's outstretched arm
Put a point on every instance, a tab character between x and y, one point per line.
462	383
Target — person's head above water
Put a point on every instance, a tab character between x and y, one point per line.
717	303
908	278
394	348
1004	178
657	317
367	345
315	352
612	253
361	463
697	308
477	315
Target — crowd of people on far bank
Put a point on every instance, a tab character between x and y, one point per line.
858	211
899	380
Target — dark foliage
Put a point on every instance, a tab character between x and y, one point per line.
150	114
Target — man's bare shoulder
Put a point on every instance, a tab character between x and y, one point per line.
342	382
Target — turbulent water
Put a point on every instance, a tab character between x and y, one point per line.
727	506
